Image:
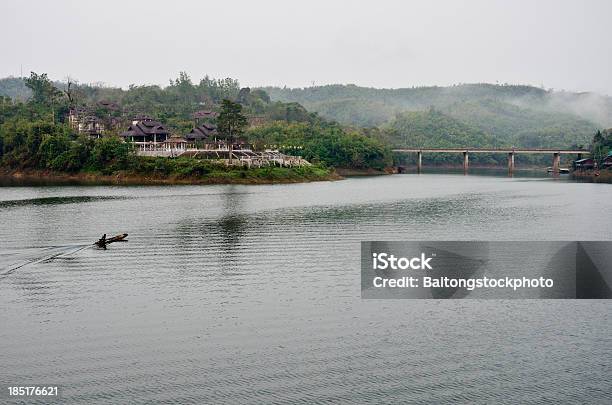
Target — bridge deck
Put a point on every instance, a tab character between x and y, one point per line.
491	150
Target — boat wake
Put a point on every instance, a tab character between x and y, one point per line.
40	256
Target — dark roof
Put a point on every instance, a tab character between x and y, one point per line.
79	110
584	160
146	127
143	117
92	118
201	132
205	114
109	105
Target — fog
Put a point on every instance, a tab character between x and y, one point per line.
590	106
557	44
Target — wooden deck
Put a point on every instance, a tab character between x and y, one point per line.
239	157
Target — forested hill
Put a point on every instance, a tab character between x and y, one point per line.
462	115
14	88
433	129
369	106
523	114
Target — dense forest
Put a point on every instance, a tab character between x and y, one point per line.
513	115
172	105
364	106
34	132
336	125
602	144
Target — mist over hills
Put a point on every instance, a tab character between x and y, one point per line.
14	88
460	115
508	114
383	104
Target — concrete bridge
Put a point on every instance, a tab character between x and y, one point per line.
556	154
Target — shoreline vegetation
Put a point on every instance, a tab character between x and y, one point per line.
217	175
64	131
79	134
590	176
225	175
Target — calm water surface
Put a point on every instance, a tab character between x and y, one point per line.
251	294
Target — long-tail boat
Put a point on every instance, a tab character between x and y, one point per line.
103	241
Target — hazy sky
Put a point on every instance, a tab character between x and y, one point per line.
561	44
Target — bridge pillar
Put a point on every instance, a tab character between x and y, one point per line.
465	162
510	163
556	163
419	162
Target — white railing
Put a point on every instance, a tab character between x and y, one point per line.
239	157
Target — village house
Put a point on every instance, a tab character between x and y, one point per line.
81	120
204	115
92	126
206	136
146	131
205	132
74	117
584	164
606	163
109	105
94	121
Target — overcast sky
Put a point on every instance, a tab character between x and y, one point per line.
378	43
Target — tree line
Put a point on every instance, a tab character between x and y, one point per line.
34	133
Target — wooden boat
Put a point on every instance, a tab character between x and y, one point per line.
562	170
103	241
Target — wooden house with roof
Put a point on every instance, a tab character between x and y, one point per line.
204	115
84	121
205	132
109	105
92	126
606	163
145	129
584	164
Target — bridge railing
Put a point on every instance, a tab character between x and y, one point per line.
511	152
492	150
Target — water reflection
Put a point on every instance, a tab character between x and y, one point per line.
251	294
55	200
231	227
219	234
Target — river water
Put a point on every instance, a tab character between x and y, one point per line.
251	294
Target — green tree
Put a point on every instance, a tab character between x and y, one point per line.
184	88
52	150
110	154
231	122
602	144
44	94
329	144
43	91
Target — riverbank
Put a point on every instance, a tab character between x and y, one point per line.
265	175
345	171
603	176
